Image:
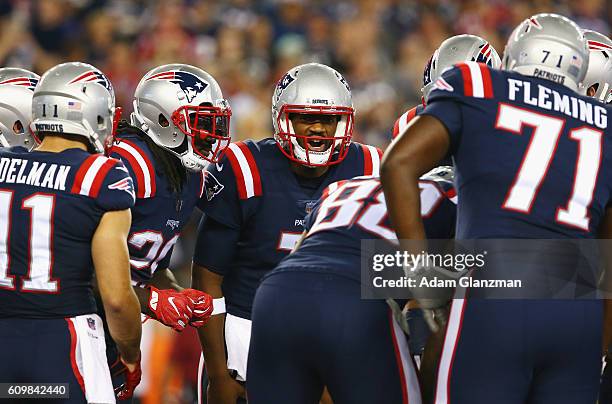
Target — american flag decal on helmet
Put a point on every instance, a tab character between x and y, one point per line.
29	82
93	76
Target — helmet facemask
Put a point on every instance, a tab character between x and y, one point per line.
313	150
207	128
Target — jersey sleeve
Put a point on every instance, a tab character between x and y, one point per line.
215	245
455	89
220	199
139	166
116	190
232	187
371	159
402	122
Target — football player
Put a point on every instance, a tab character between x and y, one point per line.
304	309
598	84
257	198
180	123
16	89
65	209
532	350
456	49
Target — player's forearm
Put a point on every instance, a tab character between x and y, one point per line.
212	340
212	336
416	151
123	318
402	195
111	261
143	296
165	279
429	364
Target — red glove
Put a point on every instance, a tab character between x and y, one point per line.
132	379
202	306
170	307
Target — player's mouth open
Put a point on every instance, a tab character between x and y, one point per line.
318	145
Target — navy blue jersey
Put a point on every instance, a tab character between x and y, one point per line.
160	213
50	207
402	122
355	210
532	157
253	190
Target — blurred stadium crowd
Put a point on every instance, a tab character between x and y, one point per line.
381	47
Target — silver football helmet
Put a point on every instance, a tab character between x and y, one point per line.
313	89
599	72
16	89
181	108
456	49
548	46
76	98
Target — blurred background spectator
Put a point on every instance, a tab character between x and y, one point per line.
381	47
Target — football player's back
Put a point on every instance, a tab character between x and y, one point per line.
536	148
51	205
63	213
532	162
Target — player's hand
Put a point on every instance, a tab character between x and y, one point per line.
224	390
432	300
202	306
132	374
170	307
436	318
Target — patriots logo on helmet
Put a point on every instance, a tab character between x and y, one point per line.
339	76
427	72
95	77
282	84
191	84
593	45
532	23
29	82
484	56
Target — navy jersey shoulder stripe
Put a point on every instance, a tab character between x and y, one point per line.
371	159
476	80
140	164
244	165
91	174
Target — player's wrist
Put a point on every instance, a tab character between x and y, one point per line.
218	374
